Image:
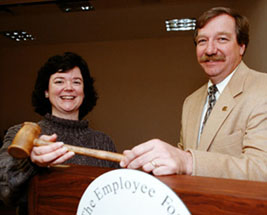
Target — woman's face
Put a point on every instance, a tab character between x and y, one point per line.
65	93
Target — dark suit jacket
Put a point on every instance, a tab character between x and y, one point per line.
234	140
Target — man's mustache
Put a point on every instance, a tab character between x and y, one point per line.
206	58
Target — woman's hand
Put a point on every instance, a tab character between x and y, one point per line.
51	154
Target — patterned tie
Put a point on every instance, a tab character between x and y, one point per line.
212	100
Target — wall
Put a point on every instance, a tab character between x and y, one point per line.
141	83
257	15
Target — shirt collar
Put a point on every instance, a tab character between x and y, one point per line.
220	86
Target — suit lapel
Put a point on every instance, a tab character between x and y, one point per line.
194	118
223	107
221	110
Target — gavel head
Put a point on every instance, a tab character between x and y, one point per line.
23	142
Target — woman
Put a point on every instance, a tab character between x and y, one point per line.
63	94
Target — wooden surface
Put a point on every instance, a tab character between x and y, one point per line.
58	191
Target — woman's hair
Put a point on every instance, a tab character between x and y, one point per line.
62	63
241	23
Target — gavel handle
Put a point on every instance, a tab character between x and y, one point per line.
100	154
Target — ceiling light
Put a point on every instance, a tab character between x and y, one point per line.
18	35
75	6
180	24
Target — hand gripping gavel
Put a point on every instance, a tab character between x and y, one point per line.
27	137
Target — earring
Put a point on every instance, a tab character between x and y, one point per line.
46	94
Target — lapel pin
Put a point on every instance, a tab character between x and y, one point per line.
224	108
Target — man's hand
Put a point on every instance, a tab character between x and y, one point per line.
158	157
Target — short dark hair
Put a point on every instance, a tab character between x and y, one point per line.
62	63
241	23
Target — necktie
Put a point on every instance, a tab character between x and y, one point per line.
212	100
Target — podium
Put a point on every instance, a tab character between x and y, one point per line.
58	191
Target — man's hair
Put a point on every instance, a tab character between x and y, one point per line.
241	23
62	63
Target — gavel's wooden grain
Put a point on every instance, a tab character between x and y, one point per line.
58	191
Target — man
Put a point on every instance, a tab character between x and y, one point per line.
224	134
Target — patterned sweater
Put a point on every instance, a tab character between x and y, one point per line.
16	173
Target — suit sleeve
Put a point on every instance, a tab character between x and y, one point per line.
180	144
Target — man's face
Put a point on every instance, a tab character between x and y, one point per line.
217	49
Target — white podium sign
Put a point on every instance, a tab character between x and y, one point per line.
130	192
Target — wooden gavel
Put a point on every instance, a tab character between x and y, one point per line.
27	137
